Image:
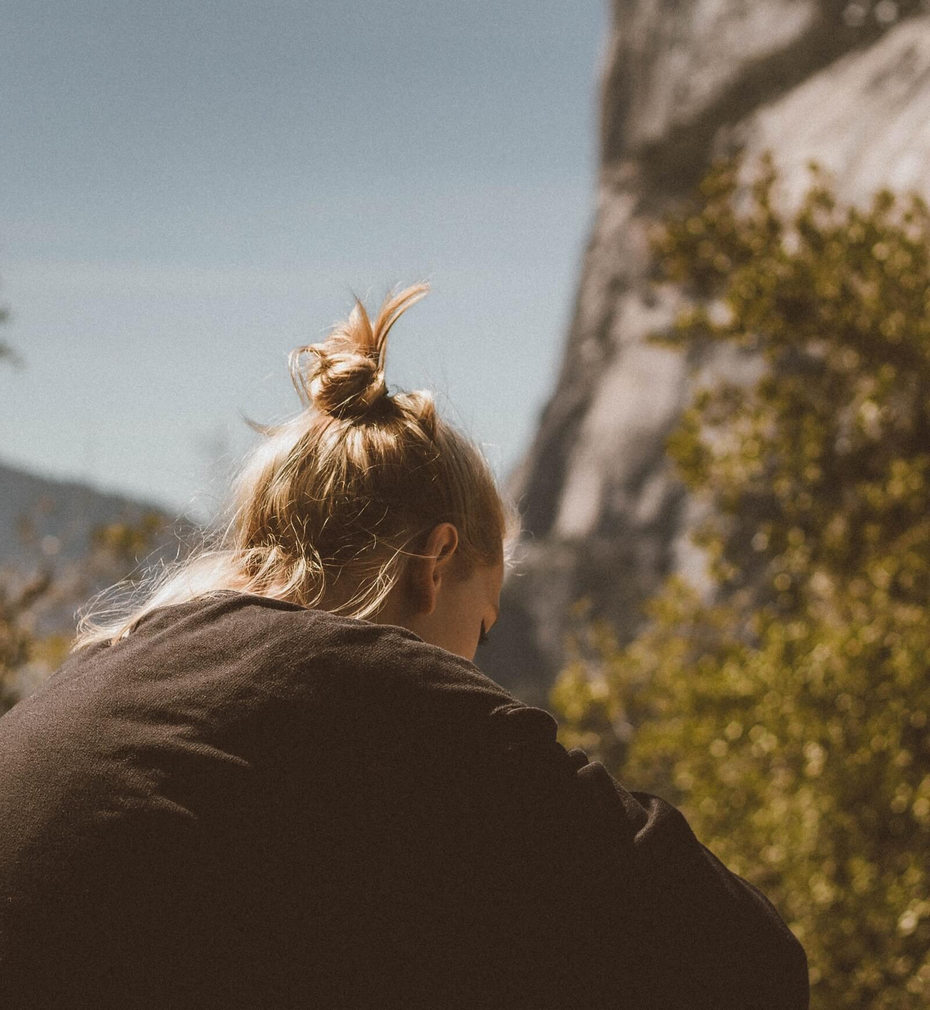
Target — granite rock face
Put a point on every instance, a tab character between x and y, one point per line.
684	81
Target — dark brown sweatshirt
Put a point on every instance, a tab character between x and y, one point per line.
246	804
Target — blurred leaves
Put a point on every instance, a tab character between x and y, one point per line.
120	544
17	637
27	596
789	719
53	586
7	354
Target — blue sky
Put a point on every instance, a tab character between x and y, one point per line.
191	190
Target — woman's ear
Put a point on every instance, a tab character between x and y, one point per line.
425	572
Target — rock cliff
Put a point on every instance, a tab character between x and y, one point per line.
684	81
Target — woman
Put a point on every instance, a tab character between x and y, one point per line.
279	781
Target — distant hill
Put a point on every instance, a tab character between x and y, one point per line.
48	524
45	518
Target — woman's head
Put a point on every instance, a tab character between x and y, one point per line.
343	505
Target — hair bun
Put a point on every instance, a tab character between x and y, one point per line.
345	377
347	384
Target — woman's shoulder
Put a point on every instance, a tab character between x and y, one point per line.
268	630
231	649
237	678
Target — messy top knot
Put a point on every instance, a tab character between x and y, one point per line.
344	375
330	503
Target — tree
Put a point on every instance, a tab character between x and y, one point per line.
788	716
17	640
6	351
16	602
27	596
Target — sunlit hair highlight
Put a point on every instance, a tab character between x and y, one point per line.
329	503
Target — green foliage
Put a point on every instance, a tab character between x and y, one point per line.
789	719
17	640
120	544
115	549
25	598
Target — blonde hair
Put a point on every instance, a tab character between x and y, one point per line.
327	506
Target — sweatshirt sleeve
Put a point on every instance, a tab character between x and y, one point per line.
607	898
